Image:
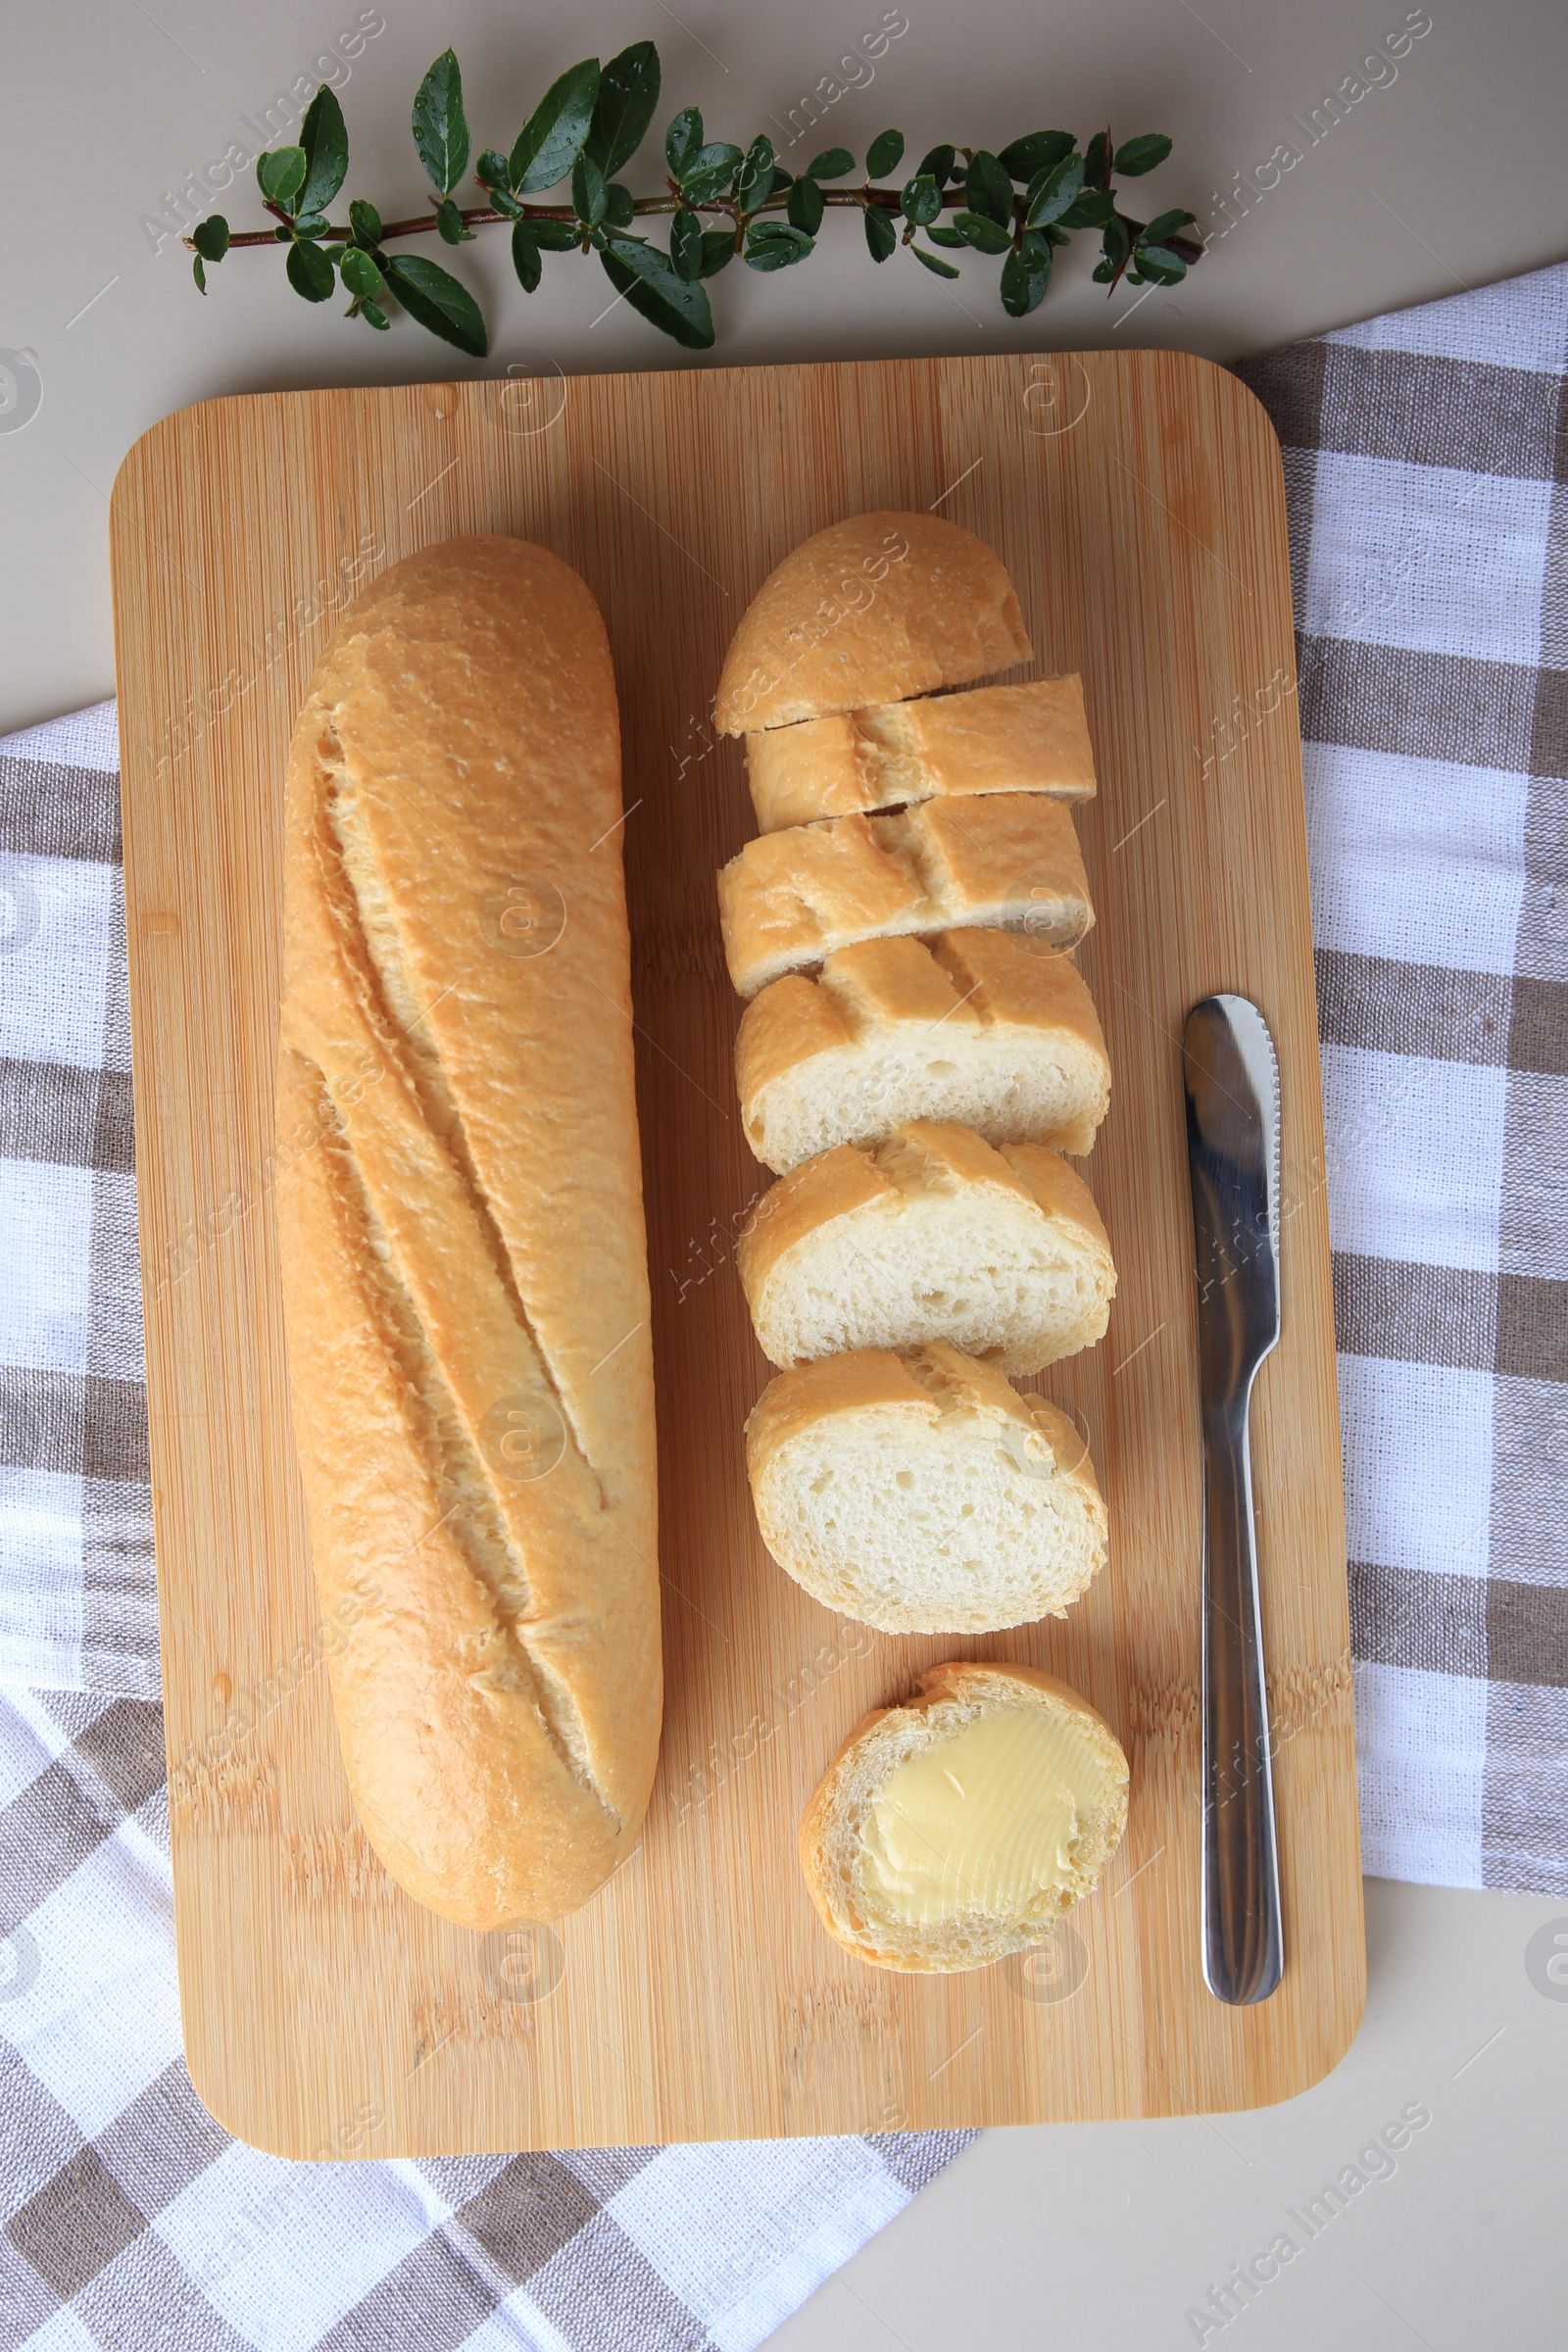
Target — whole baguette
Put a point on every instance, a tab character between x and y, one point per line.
1009	859
463	1266
1030	738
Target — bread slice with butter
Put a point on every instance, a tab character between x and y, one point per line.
931	1235
1027	738
965	1825
922	1494
993	1030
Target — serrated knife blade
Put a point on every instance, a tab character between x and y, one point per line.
1232	1150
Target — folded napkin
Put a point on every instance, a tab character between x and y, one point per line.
1430	555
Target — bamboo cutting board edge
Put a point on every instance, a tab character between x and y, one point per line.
1170	478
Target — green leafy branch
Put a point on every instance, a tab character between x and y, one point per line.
1019	203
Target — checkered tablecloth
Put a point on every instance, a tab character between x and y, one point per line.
1426	467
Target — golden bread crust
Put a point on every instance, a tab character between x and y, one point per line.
872	610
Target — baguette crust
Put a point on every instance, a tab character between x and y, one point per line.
1030	738
464	1276
872	610
985	1005
1010	861
948	1695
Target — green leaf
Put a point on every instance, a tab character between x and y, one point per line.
1097	160
805	207
987	188
210	237
655	292
686	245
526	256
440	125
782	179
1157	262
710	171
430	295
1054	191
1116	240
1136	156
628	97
777	245
309	224
880	235
1160	227
310	272
983	234
756	176
448	223
884	155
831	164
921	200
324	138
199	273
1041	151
719	251
280	176
620	210
588	192
940	235
550	140
360	273
1025	275
937	166
554	236
938	268
365	223
1091	209
682	140
375	314
491	169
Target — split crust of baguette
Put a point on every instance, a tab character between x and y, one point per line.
948	1697
992	1030
1027	738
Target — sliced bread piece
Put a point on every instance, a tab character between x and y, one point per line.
993	1030
922	1494
1009	860
965	1825
1028	737
930	1234
872	610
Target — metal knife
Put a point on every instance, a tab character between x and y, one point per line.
1233	1150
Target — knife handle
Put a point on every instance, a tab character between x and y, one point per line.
1242	1945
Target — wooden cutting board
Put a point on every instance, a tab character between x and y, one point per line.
1137	500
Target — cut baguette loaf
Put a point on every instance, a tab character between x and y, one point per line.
1009	860
461	1230
1012	1853
993	1030
922	1494
1031	738
931	1235
872	610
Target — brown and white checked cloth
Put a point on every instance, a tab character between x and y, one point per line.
1427	467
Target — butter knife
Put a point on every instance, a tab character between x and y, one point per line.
1233	1150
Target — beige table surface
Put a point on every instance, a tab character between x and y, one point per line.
1450	174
